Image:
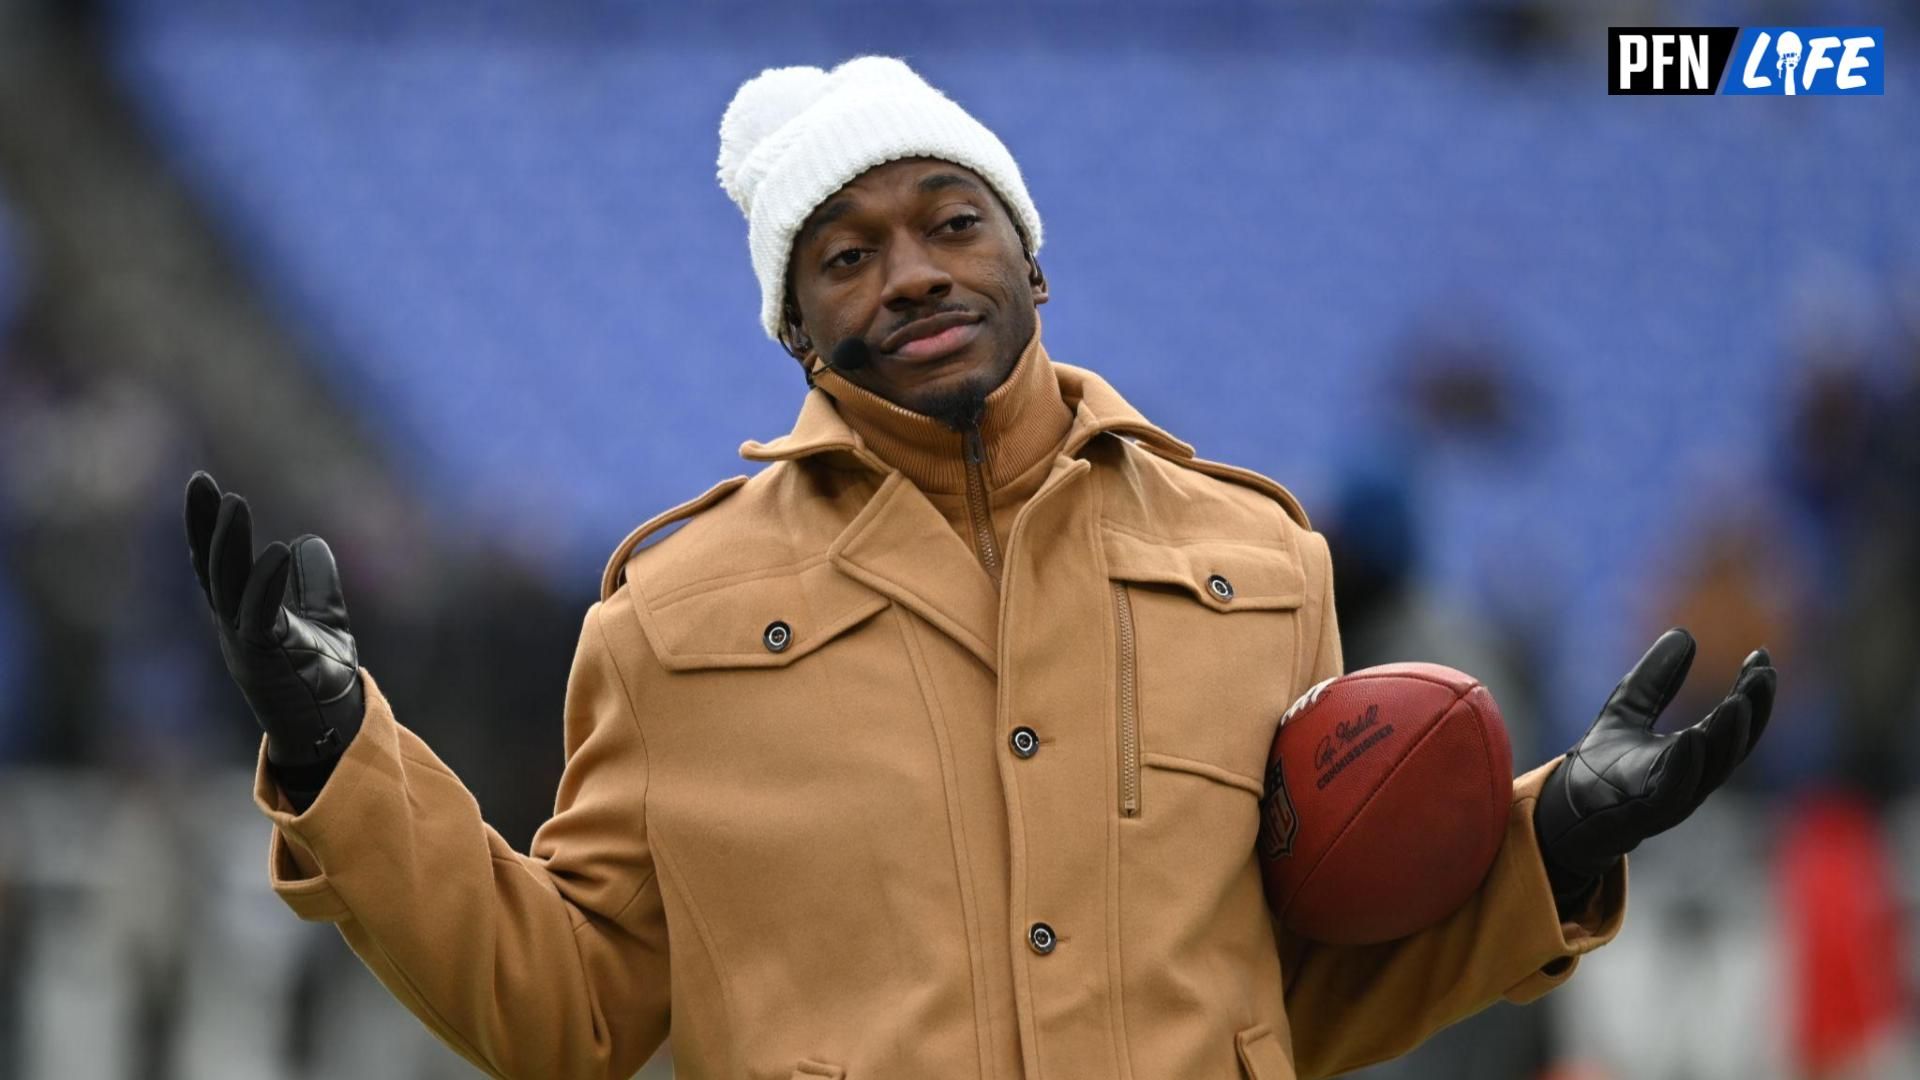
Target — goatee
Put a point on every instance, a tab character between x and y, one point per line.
958	407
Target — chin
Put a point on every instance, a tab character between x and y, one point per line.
938	392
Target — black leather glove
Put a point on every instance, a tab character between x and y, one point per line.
1623	783
282	622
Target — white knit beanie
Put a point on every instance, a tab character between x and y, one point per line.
795	135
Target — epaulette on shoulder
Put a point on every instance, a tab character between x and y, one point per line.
615	573
1233	474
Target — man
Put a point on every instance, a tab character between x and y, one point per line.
932	749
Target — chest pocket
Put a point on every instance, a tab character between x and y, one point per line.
765	619
1206	646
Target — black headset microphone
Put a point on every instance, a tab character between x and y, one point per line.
850	355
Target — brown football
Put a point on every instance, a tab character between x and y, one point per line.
1387	795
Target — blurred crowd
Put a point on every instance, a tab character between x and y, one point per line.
137	935
1791	899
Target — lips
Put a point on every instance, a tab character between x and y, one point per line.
925	328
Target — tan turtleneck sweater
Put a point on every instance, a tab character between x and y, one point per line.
1021	432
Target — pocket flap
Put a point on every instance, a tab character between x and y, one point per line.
814	1070
1251	576
1261	1055
725	623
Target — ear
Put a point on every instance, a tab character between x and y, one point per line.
1036	278
793	335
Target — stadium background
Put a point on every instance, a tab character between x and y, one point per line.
453	285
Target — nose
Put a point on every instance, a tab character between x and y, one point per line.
914	276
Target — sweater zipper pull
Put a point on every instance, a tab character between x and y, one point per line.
976	450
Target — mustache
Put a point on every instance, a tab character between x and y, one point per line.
941	309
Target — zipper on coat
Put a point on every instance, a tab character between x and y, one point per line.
979	513
1129	699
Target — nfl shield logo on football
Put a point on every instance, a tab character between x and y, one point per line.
1278	820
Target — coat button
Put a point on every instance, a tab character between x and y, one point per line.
1024	742
777	636
1040	937
1220	587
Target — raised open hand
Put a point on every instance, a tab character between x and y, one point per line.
1623	782
282	623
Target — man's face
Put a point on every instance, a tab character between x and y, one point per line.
906	247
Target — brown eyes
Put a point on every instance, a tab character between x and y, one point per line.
966	222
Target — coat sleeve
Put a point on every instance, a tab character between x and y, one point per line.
1354	1005
548	964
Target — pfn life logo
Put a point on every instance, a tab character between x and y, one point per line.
1794	60
1782	60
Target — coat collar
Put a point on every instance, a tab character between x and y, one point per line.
900	546
897	543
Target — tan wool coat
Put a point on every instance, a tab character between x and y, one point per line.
849	796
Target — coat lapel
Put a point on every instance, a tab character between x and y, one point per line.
899	545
